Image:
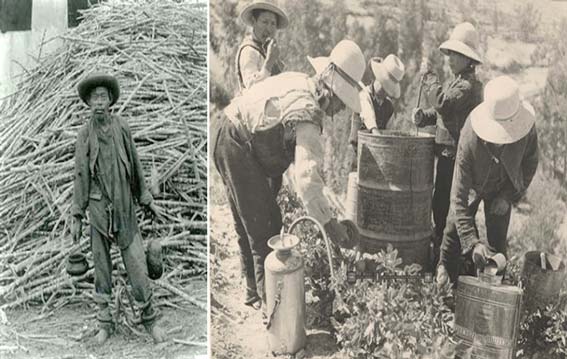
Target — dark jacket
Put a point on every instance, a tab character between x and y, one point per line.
454	104
128	176
475	162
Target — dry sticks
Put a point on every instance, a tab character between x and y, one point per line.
157	50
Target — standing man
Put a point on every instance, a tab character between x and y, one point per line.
497	158
376	106
258	56
453	105
274	123
108	179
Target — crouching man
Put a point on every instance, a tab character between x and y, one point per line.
497	157
108	178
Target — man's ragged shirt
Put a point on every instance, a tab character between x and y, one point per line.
110	160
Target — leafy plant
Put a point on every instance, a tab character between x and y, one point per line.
399	318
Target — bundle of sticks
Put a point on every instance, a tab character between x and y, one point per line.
157	50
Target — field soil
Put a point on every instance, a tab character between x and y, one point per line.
68	333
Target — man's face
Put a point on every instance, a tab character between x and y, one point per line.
458	62
335	106
379	90
265	25
99	101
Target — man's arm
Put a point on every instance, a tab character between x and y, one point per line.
81	184
139	188
252	67
308	179
461	187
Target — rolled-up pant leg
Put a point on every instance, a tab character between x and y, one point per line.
253	195
134	259
100	247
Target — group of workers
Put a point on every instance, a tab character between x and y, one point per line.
485	142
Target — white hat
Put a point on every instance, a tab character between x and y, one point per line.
246	14
349	65
464	40
389	73
503	117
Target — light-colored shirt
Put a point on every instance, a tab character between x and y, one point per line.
252	66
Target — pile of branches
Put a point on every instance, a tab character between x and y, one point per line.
157	50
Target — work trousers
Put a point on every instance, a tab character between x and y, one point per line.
134	260
441	200
252	197
452	257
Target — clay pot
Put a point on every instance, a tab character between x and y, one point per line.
154	259
77	264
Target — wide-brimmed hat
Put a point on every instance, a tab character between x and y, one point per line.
389	72
95	80
246	14
346	64
502	117
464	40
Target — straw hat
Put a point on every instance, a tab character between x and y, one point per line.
503	117
389	73
344	81
95	80
464	40
246	14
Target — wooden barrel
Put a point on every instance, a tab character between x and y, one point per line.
542	287
395	183
487	318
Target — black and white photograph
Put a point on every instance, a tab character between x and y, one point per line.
103	179
388	179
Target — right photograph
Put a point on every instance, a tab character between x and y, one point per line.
387	179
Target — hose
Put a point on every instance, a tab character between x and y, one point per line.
325	238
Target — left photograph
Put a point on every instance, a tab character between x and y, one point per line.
103	179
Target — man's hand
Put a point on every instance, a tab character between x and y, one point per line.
442	276
499	207
417	116
337	232
76	229
272	54
480	255
156	210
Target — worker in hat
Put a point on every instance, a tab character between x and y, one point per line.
497	158
258	56
376	106
275	123
108	181
450	108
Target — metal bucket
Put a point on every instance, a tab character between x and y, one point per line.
542	286
395	183
285	296
487	318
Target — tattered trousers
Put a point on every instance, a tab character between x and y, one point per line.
134	260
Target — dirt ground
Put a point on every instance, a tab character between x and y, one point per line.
238	332
69	333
